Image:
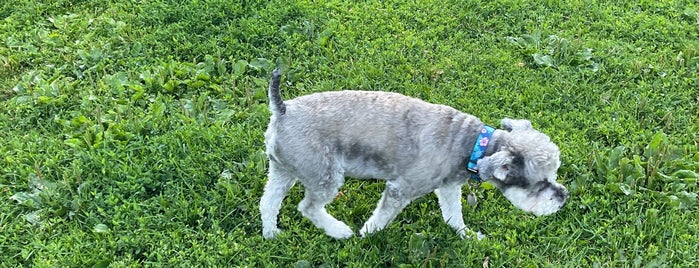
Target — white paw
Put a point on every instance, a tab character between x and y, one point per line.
479	235
369	228
270	233
363	232
468	233
340	231
471	234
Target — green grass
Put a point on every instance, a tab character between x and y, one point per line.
131	133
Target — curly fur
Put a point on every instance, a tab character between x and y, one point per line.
417	147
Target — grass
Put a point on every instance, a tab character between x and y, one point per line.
131	133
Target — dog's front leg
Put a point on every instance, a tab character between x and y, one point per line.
450	203
391	203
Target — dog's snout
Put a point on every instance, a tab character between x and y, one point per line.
561	195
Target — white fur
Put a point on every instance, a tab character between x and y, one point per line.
545	204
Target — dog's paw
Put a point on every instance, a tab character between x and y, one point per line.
469	234
365	231
478	235
472	234
340	232
271	233
368	229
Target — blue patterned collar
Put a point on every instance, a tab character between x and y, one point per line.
479	147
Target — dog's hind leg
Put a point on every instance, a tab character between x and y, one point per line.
278	184
392	202
449	197
319	194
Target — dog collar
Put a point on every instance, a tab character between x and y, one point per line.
484	137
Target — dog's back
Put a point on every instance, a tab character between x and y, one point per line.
368	129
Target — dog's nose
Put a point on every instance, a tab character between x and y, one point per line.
562	196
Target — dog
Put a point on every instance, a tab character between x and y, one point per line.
415	146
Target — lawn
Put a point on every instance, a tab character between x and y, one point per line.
131	132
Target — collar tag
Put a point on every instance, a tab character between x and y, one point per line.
479	147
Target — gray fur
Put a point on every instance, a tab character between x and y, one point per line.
415	146
277	104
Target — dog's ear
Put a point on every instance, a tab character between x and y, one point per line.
515	124
495	166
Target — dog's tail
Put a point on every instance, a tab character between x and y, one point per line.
276	104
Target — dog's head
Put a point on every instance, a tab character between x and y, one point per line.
524	169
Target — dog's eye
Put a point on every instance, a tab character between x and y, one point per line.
542	185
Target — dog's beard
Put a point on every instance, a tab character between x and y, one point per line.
540	203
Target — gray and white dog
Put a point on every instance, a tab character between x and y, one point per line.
417	147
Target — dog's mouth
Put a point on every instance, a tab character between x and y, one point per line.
538	201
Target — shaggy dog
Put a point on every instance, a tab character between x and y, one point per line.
415	146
